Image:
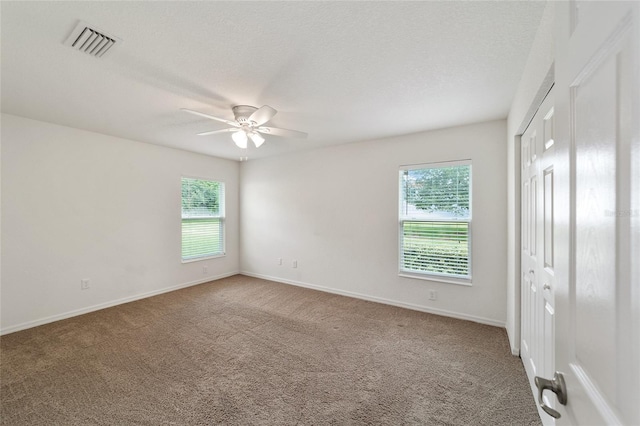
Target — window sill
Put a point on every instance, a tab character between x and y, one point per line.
437	278
197	259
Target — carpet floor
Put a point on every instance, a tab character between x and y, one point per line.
248	351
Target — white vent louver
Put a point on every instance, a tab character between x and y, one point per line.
90	40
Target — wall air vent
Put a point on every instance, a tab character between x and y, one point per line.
91	40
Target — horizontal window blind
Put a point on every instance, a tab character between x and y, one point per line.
439	247
202	218
435	220
436	192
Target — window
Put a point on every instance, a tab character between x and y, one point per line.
202	219
435	221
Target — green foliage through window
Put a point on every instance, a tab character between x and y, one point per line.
200	197
440	247
435	220
202	218
438	189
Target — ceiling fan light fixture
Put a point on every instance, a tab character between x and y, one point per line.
248	124
256	138
240	139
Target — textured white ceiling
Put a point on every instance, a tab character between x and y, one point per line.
341	71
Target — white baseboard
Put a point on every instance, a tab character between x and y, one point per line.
81	311
427	309
515	347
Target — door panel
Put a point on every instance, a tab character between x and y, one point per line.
594	322
533	205
537	305
548	219
525	218
597	139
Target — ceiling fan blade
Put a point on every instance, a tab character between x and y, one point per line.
210	117
262	115
213	132
282	132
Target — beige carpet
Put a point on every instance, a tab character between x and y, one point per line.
247	351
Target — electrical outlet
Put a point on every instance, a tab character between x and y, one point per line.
205	269
280	261
433	295
84	284
295	264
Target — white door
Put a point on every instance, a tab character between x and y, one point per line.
597	218
537	283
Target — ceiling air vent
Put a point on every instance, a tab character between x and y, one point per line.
90	40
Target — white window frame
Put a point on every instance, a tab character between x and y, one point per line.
221	215
434	276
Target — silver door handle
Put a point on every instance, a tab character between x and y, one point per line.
557	386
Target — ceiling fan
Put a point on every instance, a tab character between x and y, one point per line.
248	124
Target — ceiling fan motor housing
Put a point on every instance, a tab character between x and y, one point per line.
243	112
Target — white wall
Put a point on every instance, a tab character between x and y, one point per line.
535	81
77	204
335	211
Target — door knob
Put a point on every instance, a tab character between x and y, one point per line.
557	386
